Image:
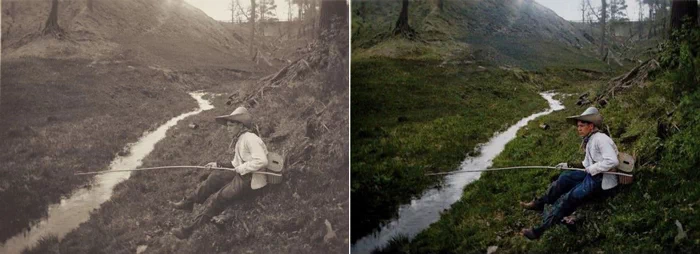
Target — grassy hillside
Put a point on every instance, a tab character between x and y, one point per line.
62	116
520	33
658	122
423	105
301	113
124	67
168	33
416	116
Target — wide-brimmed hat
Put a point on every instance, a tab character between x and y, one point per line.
240	115
591	115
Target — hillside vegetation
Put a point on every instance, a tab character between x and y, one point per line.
517	33
306	213
656	120
166	33
424	105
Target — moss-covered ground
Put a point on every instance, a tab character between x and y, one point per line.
658	123
411	117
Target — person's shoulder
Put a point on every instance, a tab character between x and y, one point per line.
249	136
603	137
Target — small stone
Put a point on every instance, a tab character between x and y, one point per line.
124	152
330	234
492	249
193	126
681	233
141	248
295	195
544	126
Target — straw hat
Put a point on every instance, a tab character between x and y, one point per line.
240	115
591	115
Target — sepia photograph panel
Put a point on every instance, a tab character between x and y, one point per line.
524	126
174	126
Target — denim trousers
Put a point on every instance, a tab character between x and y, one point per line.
565	194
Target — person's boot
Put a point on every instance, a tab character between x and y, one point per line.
185	232
532	205
184	204
530	233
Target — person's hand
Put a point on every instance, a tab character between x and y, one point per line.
210	165
562	165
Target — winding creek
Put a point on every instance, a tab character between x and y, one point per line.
70	212
420	213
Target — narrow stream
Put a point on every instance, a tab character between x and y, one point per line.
74	210
422	212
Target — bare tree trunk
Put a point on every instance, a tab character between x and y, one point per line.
263	9
402	26
583	12
664	19
681	9
233	12
301	20
602	26
640	19
330	9
252	26
651	20
51	26
314	18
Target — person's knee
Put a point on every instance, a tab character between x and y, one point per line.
229	192
580	193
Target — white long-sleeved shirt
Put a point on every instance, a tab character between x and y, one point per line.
250	156
601	156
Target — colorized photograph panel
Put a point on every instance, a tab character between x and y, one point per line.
524	126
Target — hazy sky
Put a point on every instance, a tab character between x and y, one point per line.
571	9
219	9
567	9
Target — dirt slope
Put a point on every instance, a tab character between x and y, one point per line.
168	33
68	104
292	217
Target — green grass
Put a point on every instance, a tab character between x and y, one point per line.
636	218
411	117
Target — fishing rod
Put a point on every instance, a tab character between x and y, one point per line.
519	167
168	167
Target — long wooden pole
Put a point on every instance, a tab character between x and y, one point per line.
520	167
167	167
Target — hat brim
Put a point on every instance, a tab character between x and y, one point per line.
244	119
595	119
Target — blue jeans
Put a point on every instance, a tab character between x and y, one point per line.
566	194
